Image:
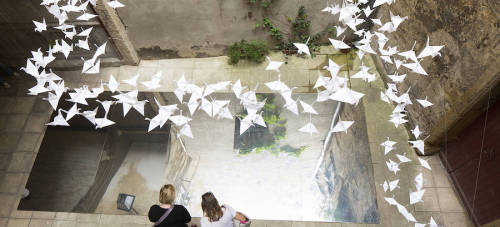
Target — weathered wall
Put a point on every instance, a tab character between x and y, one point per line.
469	64
200	28
19	38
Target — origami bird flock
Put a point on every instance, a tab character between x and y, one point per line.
329	87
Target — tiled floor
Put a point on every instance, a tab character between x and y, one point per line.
22	120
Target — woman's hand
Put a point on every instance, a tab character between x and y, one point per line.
240	217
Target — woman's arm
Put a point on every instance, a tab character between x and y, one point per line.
240	217
187	216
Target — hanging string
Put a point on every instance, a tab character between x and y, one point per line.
481	151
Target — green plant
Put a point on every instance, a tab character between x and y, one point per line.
251	50
252	1
266	3
274	32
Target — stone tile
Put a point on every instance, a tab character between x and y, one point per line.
279	224
196	221
21	214
36	123
23	105
414	170
315	224
353	225
424	217
88	217
15	122
64	223
448	200
28	142
3	121
11	182
112	219
457	220
65	216
3	222
87	224
430	201
43	215
257	223
18	222
21	162
8	201
41	106
137	219
9	141
7	103
41	223
127	225
4	160
441	177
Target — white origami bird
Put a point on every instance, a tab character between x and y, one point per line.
103	122
71	112
302	47
419	181
273	65
388	146
112	84
86	16
392	166
416	132
237	88
186	131
40	27
338	44
402	158
419	145
428	50
347	95
424	102
58	120
424	163
53	99
397	78
416	196
393	185
132	81
342	126
85	33
90	115
309	128
307	108
277	85
115	4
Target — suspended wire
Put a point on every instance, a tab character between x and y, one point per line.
481	151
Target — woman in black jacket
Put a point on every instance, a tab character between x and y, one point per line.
178	216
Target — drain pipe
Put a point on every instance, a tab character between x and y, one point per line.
328	138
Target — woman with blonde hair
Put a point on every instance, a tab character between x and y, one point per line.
218	216
167	214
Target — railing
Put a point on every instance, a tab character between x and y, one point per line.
328	138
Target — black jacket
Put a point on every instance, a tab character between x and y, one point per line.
177	218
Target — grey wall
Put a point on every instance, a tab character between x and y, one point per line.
469	29
190	28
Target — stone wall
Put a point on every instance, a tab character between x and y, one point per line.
469	64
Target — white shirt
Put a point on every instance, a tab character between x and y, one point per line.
225	221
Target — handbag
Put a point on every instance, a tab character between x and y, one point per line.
165	215
237	223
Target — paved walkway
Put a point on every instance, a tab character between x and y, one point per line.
22	120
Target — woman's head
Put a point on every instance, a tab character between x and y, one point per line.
167	194
211	207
